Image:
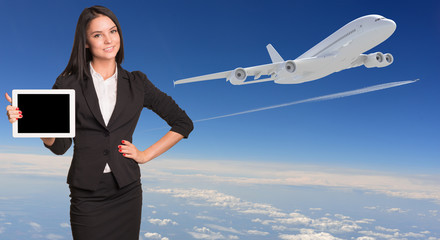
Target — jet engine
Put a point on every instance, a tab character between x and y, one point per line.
378	59
286	67
389	58
237	77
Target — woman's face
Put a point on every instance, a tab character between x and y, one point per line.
103	39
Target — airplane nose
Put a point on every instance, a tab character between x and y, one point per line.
389	25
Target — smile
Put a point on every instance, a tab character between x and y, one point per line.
109	49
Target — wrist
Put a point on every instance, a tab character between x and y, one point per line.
48	141
146	156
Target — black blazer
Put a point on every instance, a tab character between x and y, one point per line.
96	144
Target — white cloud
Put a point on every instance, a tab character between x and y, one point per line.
393	234
205	233
371	208
295	218
52	236
158	236
35	226
379	228
48	165
340	216
379	235
308	234
412	235
209	218
396	210
256	232
365	221
279	228
64	225
217	199
365	238
315	209
334	226
433	212
162	222
223	229
275	218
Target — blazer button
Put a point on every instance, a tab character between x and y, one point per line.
106	152
106	134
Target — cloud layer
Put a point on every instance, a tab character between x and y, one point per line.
269	222
246	173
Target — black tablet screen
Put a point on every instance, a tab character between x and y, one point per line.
44	113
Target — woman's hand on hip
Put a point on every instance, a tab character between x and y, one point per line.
129	150
159	147
13	112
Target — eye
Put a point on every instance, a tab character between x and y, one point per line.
114	31
97	35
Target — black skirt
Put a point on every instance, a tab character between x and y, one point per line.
108	213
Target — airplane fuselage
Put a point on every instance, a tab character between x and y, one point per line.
339	50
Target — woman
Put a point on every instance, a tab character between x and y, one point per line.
104	176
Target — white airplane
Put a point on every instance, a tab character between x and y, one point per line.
342	50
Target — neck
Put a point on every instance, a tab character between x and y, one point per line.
105	68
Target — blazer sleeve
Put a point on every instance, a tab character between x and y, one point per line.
61	145
164	106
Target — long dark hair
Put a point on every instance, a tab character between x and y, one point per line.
80	56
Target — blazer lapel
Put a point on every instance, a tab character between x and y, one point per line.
89	93
122	95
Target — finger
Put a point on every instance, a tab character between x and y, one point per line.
128	155
15	116
8	98
12	108
122	150
125	149
125	142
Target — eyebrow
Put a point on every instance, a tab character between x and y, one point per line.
102	31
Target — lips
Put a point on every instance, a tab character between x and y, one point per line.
109	49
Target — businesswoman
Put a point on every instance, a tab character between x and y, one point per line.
104	176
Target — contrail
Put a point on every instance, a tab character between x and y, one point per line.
322	98
315	99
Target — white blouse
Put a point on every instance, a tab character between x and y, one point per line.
106	91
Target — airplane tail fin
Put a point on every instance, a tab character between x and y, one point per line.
274	55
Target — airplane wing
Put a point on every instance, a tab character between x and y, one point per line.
237	76
212	76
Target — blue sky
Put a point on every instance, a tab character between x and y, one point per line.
394	129
361	167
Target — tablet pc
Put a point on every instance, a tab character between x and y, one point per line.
46	113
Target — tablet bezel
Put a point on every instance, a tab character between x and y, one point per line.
71	94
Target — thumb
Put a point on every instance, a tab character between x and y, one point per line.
8	98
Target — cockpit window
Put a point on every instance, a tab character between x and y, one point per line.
378	19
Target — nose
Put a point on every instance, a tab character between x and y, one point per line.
107	39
